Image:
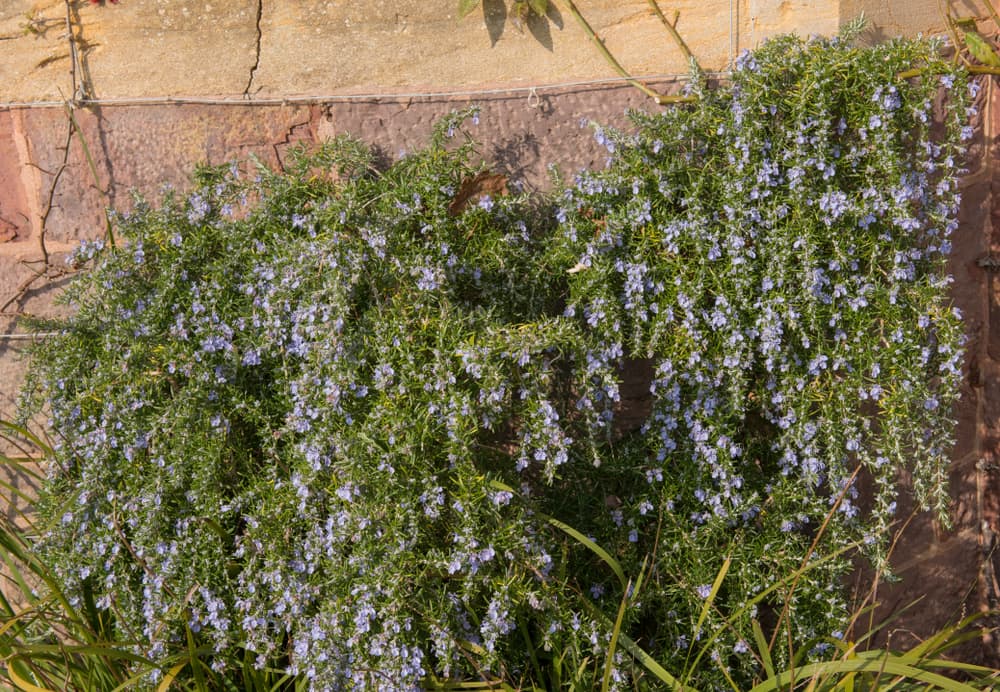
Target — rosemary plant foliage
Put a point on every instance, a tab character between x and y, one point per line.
326	415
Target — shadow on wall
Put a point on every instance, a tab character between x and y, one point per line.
498	20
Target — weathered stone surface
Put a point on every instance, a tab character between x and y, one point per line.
967	430
938	570
313	46
34	51
521	134
990	411
894	18
15	214
166	47
134	148
938	586
969	244
36	300
212	48
758	20
967	502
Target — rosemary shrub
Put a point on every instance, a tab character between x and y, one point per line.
326	415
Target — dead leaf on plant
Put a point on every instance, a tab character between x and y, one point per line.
474	189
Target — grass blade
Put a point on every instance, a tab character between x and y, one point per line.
590	545
21	431
610	659
170	676
763	649
17	679
713	593
889	664
650	664
579	537
199	676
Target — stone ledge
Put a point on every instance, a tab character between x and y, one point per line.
143	48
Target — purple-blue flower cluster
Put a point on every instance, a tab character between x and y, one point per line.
375	431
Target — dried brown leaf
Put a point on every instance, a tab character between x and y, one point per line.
475	188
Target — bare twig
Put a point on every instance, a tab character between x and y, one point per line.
43	225
661	99
993	13
971	69
672	28
138	559
910	74
20	291
868	603
48	273
72	128
92	165
982	69
946	13
74	58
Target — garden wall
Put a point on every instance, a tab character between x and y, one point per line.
99	100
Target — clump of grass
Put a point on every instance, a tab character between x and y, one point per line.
48	642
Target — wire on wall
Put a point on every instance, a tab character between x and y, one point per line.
335	98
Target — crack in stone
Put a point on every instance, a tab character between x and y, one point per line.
287	141
256	62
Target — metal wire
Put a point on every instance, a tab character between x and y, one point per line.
732	33
335	98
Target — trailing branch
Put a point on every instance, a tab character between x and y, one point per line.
672	28
661	99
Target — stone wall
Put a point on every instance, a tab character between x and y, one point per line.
282	48
149	88
145	89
